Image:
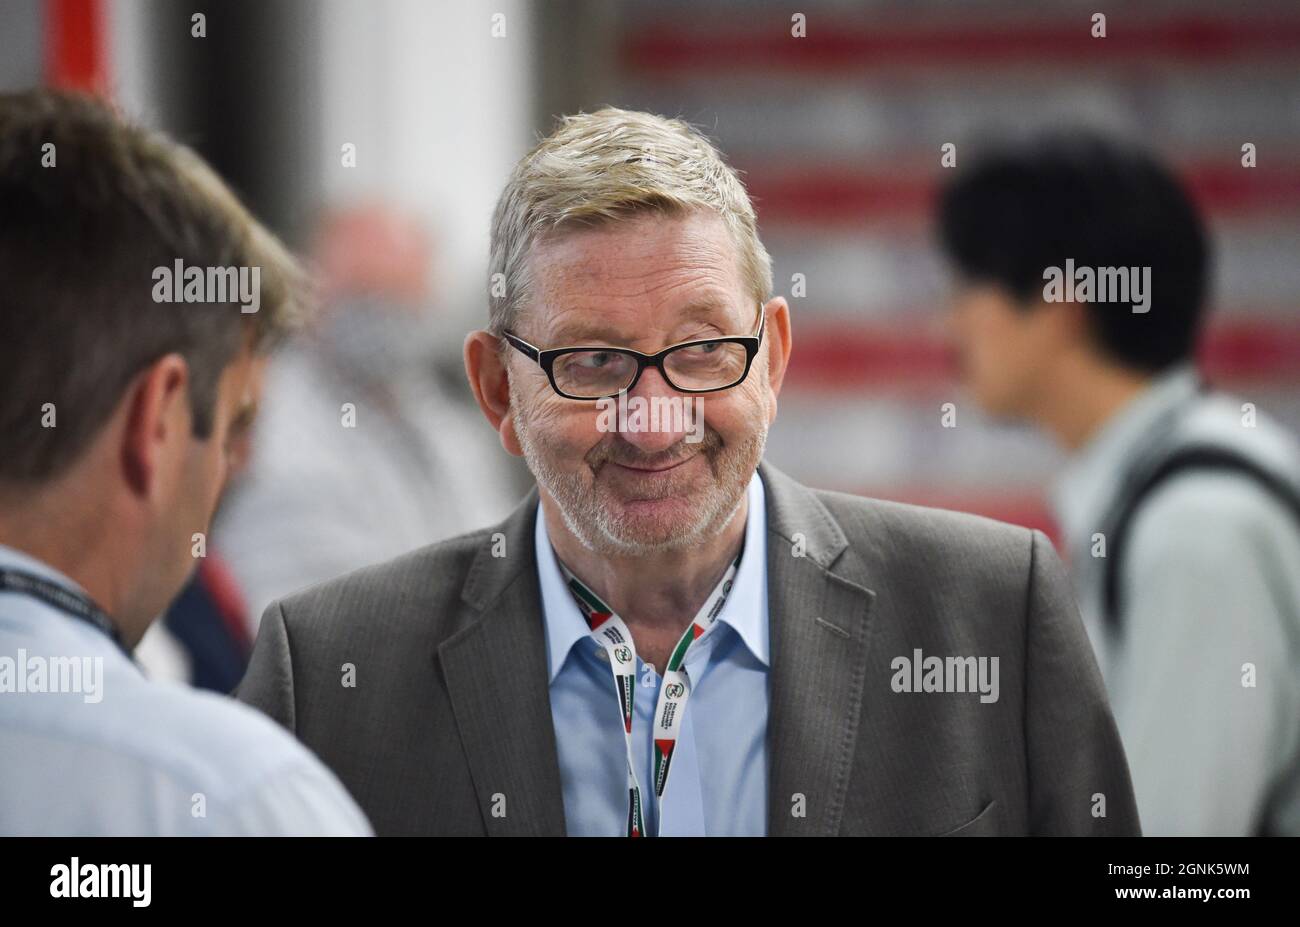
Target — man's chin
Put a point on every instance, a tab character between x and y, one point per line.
653	523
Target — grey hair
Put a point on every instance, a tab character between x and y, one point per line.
609	165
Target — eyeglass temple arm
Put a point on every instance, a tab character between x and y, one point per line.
523	346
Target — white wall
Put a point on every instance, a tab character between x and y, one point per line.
439	111
438	108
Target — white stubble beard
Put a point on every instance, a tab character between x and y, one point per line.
603	533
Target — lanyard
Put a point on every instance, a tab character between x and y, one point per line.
609	631
64	599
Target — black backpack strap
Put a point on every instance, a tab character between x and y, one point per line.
1202	457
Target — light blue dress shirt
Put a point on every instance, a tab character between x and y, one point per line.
717	785
111	753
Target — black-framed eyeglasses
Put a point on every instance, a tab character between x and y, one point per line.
704	366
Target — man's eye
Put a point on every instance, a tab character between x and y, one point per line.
597	359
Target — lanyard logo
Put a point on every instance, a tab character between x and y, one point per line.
604	623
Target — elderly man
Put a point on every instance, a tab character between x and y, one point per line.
669	636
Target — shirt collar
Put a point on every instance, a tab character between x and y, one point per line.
48	631
11	558
1087	482
744	610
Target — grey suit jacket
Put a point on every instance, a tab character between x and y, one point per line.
450	706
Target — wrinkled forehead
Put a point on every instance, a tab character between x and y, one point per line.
647	275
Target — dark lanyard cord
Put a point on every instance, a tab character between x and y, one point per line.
64	599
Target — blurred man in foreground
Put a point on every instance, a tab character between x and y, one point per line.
1083	270
119	407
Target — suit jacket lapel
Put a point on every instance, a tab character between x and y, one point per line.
497	680
819	625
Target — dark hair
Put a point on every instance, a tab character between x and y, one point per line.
1077	195
89	206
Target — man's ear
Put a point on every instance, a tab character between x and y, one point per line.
490	381
776	336
158	424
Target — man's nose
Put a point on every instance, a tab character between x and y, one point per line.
662	420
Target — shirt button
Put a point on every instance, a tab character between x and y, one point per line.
602	654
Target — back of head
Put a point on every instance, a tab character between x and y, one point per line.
90	208
1100	203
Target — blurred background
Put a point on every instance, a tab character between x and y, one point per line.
375	137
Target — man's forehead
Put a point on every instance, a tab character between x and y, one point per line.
603	321
652	269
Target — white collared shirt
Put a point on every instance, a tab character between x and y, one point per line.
114	754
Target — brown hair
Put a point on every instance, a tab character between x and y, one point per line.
90	205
